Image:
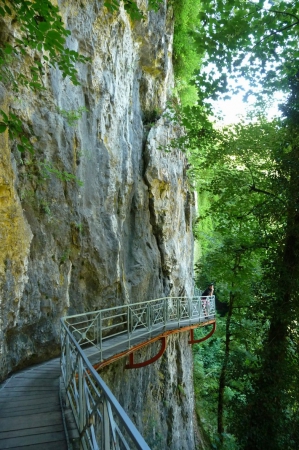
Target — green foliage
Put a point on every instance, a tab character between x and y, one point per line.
28	195
132	8
242	369
187	59
181	390
255	40
45	207
16	131
250	183
187	93
39	28
198	135
79	227
64	176
248	177
73	115
65	256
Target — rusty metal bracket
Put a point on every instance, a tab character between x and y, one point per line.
133	365
197	341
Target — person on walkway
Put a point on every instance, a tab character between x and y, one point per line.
209	291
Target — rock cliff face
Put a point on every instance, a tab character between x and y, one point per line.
125	234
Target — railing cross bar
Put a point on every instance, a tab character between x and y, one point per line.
96	410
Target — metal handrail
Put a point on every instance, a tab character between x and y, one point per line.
101	421
103	329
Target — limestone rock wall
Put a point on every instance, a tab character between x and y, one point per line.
125	234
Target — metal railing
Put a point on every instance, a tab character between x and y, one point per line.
104	329
101	421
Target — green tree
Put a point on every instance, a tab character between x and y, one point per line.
274	400
186	58
253	195
255	39
233	249
252	175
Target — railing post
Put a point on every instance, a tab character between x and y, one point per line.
97	331
190	307
213	304
129	325
165	311
148	316
67	359
81	394
208	307
101	337
106	427
200	307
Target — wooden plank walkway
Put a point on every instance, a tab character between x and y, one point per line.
30	410
30	413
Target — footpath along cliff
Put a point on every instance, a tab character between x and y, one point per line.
125	234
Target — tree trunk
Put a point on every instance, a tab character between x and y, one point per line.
266	426
222	379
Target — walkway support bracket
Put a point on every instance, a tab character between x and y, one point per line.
197	341
133	365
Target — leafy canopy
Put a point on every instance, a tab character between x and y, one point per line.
257	40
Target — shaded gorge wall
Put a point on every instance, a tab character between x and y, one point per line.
125	235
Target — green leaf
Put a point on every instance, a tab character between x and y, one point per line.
44	26
112	5
154	5
7	9
55	36
8	49
3	127
5	117
21	148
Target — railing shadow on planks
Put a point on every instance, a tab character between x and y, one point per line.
94	339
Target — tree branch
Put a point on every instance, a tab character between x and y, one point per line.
275	11
253	188
273	33
285	13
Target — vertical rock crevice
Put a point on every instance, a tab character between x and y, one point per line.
124	236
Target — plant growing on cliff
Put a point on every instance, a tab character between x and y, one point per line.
39	38
73	115
16	131
131	7
62	175
38	27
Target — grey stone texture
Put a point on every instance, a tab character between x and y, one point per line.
125	235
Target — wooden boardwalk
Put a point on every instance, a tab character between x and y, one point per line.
30	413
30	407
